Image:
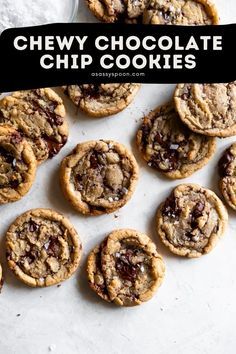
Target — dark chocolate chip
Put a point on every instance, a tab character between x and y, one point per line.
170	208
169	157
33	226
224	163
53	248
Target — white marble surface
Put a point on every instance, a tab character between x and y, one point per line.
195	309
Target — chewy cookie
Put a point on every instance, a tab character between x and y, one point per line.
17	165
208	109
191	220
101	100
126	269
170	147
227	171
99	177
39	115
127	11
43	248
180	12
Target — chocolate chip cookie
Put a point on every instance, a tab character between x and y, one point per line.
99	176
39	115
191	220
180	12
126	269
127	11
227	171
170	147
208	109
43	248
17	165
101	100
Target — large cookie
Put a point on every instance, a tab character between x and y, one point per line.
42	247
101	100
170	147
191	220
127	11
181	12
208	109
126	269
227	171
39	115
17	165
99	176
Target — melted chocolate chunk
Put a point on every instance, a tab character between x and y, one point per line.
53	247
125	268
93	91
145	133
53	146
9	158
170	158
224	163
16	138
196	213
33	226
170	208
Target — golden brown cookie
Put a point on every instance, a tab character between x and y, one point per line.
43	248
101	100
180	12
110	11
126	269
208	109
39	115
17	165
191	220
227	171
99	177
170	147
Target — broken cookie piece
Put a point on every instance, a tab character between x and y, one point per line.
42	248
99	177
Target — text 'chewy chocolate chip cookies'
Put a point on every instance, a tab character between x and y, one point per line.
99	177
208	109
126	269
180	12
170	147
39	115
101	100
227	171
17	165
191	220
43	248
110	11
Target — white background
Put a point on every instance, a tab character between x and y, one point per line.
193	312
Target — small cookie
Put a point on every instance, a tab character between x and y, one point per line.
17	165
180	12
110	11
191	220
126	269
208	109
43	248
170	147
227	171
99	177
39	115
101	100
1	278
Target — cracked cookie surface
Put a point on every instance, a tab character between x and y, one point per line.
42	248
99	176
101	100
39	115
128	269
191	220
227	171
208	109
128	11
180	12
169	146
17	165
